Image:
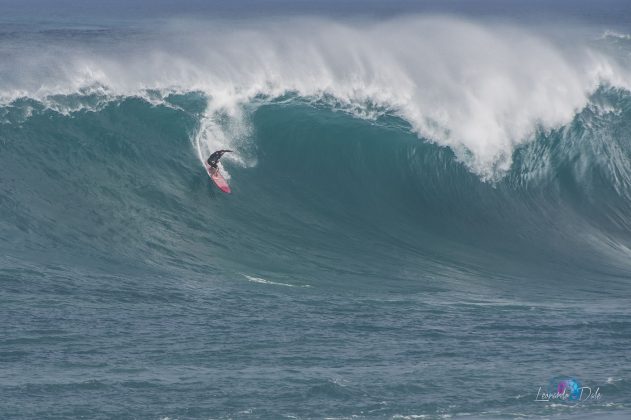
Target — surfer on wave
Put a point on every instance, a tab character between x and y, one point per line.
214	158
214	172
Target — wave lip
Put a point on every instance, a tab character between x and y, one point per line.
481	90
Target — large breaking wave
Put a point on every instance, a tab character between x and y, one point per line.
431	148
480	90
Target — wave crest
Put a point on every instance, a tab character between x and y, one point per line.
481	90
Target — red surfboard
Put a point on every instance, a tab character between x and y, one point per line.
216	176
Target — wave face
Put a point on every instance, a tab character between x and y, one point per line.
414	173
124	180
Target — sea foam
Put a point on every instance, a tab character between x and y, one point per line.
481	90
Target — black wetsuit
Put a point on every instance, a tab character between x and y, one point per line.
214	158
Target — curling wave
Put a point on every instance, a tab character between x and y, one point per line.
480	90
437	149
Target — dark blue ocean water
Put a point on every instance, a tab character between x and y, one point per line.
429	217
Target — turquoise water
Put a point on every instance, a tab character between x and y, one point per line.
389	250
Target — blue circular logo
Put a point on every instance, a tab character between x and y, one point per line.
569	389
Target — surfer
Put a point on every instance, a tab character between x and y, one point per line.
214	158
214	172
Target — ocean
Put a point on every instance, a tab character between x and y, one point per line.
430	213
